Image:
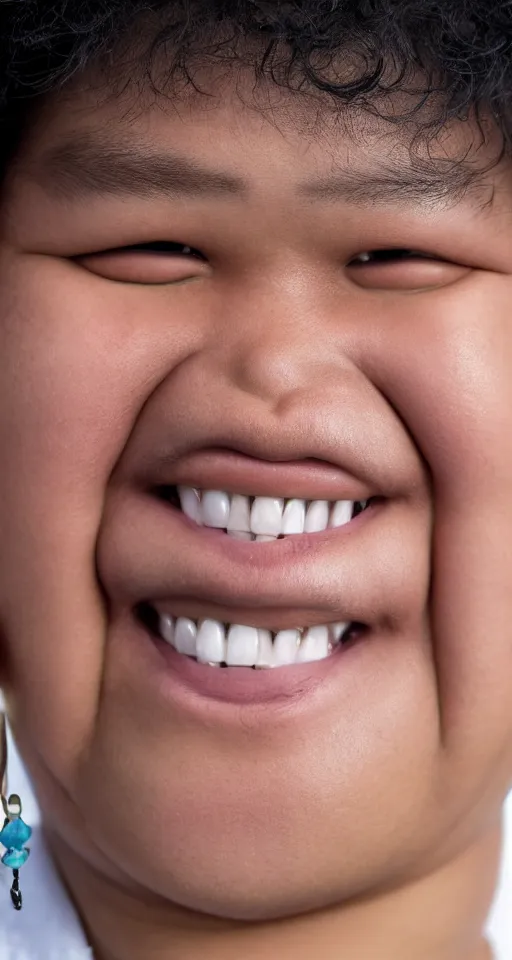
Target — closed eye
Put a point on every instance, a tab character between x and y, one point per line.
157	262
402	269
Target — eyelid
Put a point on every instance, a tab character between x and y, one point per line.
154	263
407	274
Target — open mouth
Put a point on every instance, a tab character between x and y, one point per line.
220	644
261	519
217	642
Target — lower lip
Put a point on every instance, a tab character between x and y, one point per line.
191	684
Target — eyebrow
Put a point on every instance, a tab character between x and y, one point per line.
84	169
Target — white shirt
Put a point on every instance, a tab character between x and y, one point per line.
47	927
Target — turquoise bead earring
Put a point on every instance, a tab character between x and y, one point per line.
15	832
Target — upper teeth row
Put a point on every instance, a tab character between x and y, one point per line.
271	517
210	641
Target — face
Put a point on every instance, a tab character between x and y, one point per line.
223	330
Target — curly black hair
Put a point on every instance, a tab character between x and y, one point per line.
453	54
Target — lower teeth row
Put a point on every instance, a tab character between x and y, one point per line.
215	643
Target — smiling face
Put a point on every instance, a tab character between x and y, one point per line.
276	359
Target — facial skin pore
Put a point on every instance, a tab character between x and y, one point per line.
367	823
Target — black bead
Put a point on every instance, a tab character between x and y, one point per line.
17	900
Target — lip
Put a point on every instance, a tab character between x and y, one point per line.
234	472
268	618
150	552
197	688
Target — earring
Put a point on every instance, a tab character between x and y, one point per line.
15	832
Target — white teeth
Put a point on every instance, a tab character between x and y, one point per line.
314	645
190	500
211	642
239	514
267	515
341	513
268	518
167	628
249	646
185	636
265	649
215	509
338	629
317	516
242	646
286	644
294	516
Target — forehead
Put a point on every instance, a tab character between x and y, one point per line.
231	116
232	138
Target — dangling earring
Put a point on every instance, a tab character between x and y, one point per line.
15	832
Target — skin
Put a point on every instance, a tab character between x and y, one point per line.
341	830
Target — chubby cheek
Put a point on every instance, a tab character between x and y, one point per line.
78	359
447	370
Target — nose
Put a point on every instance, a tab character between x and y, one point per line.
282	334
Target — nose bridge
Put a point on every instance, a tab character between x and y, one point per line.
277	333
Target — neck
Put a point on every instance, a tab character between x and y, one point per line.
437	917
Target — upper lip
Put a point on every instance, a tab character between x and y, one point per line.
343	453
234	472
